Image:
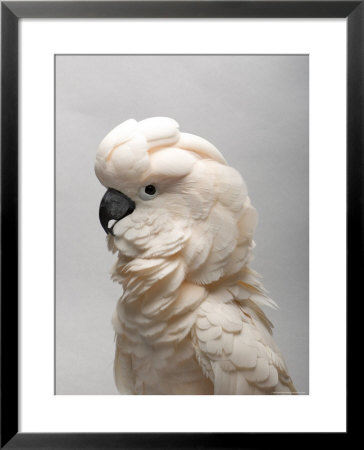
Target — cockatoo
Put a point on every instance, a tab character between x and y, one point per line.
179	218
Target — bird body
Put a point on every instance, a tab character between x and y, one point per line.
189	320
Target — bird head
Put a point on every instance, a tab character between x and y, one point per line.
173	195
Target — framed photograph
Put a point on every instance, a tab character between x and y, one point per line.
218	100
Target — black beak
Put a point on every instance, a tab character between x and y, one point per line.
114	206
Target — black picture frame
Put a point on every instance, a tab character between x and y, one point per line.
11	12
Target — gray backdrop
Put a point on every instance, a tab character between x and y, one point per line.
255	110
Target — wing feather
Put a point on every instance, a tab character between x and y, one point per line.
236	350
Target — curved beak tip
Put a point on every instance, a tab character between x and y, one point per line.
114	206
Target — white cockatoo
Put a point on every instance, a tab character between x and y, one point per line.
179	218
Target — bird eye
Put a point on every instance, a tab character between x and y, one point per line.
148	192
